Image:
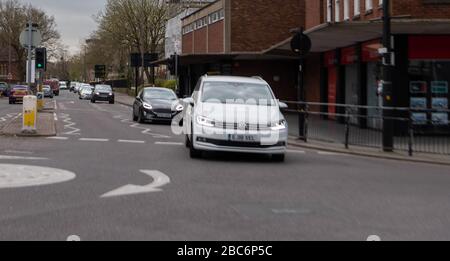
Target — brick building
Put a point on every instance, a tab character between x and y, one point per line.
229	37
345	66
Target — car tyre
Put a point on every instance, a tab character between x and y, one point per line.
140	118
135	118
111	102
278	157
193	153
92	101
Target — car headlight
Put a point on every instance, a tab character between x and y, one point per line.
97	93
110	94
205	121
281	125
147	106
179	107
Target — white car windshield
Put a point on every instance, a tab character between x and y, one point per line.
237	93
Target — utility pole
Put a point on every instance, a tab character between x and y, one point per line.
388	123
30	42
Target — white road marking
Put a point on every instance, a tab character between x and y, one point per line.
57	138
170	143
7	157
93	139
69	125
132	141
145	130
159	179
296	151
17	176
55	117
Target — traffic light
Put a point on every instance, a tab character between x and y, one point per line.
41	58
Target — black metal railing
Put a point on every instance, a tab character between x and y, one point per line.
415	130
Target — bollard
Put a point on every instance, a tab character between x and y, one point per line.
40	101
29	114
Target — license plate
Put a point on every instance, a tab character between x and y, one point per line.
164	115
242	138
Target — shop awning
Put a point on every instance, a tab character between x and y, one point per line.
330	36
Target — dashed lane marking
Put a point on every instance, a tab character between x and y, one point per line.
170	143
93	139
57	138
132	141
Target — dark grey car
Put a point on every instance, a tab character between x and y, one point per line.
156	104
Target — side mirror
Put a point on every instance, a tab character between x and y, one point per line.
189	101
138	98
283	106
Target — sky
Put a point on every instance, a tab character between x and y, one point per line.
74	18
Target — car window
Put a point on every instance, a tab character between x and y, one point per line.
103	88
237	92
160	94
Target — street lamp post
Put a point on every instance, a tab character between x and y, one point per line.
388	124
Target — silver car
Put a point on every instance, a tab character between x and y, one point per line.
235	114
47	91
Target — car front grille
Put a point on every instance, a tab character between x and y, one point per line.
242	126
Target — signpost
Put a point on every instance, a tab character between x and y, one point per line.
30	38
301	45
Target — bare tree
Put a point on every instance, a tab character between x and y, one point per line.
13	19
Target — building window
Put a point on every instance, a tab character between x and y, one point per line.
329	11
356	7
346	9
369	5
337	11
380	2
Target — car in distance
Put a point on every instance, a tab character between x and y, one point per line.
235	114
63	85
3	89
54	84
156	104
85	92
103	92
48	93
72	86
17	93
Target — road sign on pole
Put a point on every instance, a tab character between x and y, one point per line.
36	38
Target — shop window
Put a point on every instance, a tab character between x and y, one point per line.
429	89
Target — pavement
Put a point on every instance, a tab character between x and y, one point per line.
104	177
45	122
368	151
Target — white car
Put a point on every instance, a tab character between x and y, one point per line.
235	114
63	85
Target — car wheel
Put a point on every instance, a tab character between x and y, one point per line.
278	157
186	141
10	102
135	118
140	118
92	101
111	102
193	153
